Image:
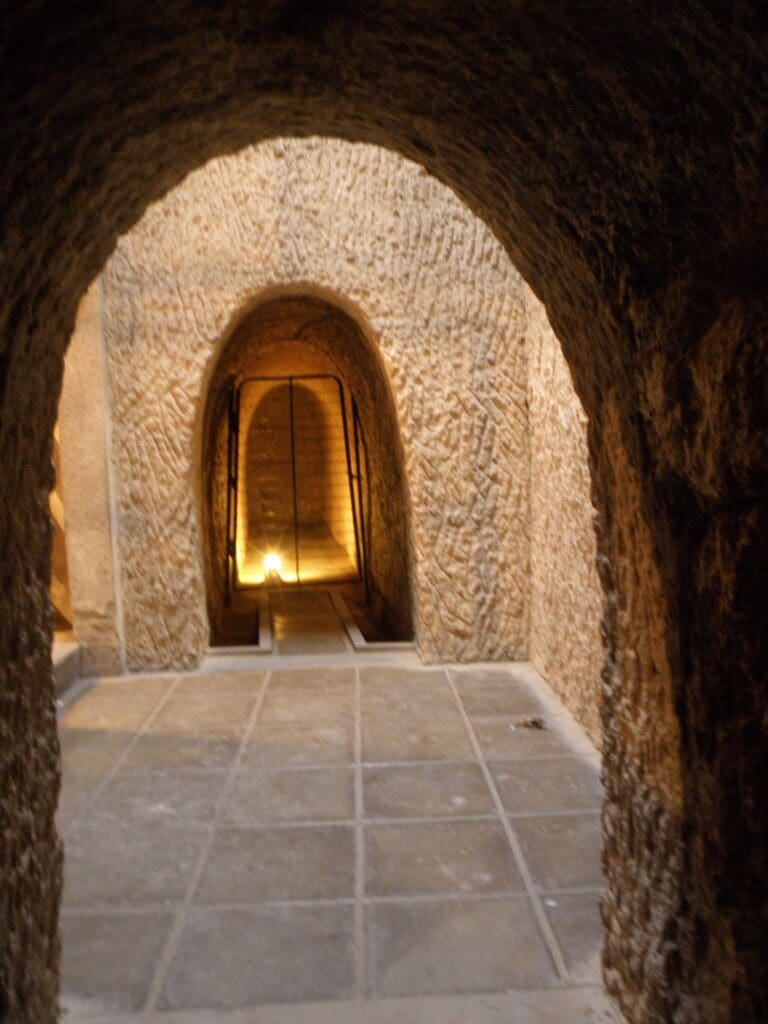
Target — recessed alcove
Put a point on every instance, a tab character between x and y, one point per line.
303	477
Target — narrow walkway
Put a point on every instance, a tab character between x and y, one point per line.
379	844
306	622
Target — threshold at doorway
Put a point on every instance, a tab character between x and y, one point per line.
299	623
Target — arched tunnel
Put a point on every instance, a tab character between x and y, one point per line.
618	153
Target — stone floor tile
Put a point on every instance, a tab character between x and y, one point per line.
576	922
109	865
308	641
425	709
322	613
394	677
403	687
554	784
242	957
488	692
204	715
311	680
300	602
504	739
390	736
457	946
117	706
438	857
425	790
109	960
433	917
221	684
297	863
170	798
300	744
157	751
308	634
290	613
315	698
92	753
562	851
315	794
74	796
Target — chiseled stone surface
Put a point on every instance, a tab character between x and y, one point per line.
85	479
445	308
566	597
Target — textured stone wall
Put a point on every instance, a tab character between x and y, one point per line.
85	471
566	597
445	309
618	153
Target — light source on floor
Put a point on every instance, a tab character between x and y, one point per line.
273	563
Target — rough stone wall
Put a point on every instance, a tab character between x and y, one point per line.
445	309
85	456
566	596
618	152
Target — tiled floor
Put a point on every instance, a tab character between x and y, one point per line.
343	835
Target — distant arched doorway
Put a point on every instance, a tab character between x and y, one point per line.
303	479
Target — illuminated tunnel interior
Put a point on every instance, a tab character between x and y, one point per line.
303	479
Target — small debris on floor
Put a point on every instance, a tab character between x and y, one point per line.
527	723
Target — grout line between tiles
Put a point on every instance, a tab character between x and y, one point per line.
578	812
428	762
357	821
449	897
576	890
525	758
360	979
172	942
310	766
276	826
330	901
533	895
120	909
417	764
77	819
435	819
138	909
150	909
153	909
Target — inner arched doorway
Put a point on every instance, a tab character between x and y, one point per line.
303	479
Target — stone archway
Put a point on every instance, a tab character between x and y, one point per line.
442	312
302	335
596	143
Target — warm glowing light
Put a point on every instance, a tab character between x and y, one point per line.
273	563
